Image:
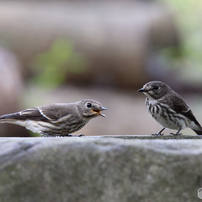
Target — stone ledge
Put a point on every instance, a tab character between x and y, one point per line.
141	137
100	169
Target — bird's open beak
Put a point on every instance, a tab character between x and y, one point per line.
142	90
98	111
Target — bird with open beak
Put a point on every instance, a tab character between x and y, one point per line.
59	119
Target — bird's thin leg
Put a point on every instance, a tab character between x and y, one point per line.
178	132
160	132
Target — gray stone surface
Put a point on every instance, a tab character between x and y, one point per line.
100	169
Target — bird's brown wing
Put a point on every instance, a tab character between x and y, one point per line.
47	113
32	114
181	107
54	112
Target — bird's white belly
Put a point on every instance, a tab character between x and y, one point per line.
172	124
33	126
165	118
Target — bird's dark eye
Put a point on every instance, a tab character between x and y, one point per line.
89	105
156	87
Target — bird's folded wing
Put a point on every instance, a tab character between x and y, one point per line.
181	107
32	114
54	112
45	113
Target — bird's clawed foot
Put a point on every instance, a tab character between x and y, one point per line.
176	134
157	134
69	135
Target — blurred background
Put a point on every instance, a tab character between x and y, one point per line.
65	51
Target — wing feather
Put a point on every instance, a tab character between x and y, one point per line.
32	114
48	113
179	105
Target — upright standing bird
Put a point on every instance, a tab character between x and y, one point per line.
58	119
168	108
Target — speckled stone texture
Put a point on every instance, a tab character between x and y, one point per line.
101	169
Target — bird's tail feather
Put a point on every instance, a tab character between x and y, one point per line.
198	132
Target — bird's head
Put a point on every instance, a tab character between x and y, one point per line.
155	89
91	108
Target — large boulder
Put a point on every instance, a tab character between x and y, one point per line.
100	169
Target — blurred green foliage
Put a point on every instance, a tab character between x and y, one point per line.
51	68
187	59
